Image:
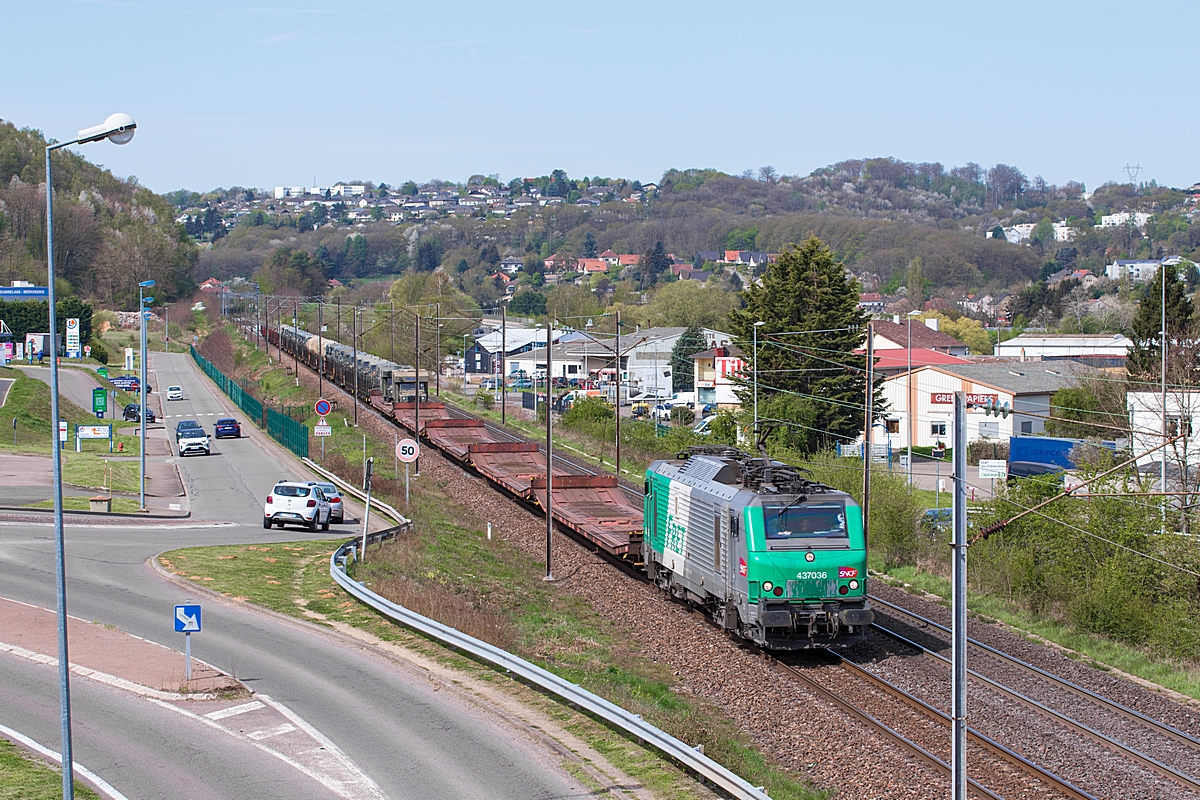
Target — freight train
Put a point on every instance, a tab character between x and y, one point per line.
773	557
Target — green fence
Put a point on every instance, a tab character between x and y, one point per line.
282	428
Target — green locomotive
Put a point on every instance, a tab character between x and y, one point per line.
773	556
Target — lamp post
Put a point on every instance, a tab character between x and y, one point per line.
908	395
143	301
118	129
758	325
464	362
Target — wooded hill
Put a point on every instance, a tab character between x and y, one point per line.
109	233
877	215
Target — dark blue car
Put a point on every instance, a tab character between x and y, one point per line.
227	427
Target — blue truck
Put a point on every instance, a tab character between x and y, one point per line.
1040	455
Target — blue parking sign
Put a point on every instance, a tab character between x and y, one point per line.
187	619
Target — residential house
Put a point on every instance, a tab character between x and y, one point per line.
484	356
1138	270
1137	218
1146	426
591	266
898	360
511	265
628	260
871	302
610	258
212	285
913	333
557	262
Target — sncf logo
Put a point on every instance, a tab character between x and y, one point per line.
847	572
742	567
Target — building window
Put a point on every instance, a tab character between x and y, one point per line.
1027	426
893	426
1173	427
989	430
937	429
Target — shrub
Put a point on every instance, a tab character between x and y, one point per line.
99	351
485	400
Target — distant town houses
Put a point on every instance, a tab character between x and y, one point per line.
1022	233
1137	270
1136	218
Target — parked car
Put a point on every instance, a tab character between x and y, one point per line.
334	496
133	413
662	412
298	504
227	427
522	383
191	439
174	392
489	383
703	427
708	409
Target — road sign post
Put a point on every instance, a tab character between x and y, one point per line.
408	451
187	622
99	401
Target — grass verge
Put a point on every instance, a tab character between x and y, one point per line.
120	505
27	778
1099	652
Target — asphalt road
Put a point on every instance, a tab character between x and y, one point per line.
413	741
74	384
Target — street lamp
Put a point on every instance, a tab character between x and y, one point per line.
118	129
143	301
908	395
757	325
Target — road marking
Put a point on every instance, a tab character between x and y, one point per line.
101	784
100	677
253	705
258	736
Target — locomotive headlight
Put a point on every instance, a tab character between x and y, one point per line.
768	586
809	556
853	584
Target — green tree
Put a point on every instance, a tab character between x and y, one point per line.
682	367
806	290
655	265
528	303
916	283
429	255
1144	353
589	245
683	303
998	233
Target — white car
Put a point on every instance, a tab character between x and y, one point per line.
298	504
192	440
174	392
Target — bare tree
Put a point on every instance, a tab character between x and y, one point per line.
767	174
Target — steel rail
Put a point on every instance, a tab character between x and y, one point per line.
689	757
888	732
1144	760
1062	683
1000	751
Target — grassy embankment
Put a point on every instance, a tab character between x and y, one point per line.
488	589
28	402
27	778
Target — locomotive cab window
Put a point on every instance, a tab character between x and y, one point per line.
804	521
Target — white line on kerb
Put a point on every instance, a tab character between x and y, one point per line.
104	786
254	705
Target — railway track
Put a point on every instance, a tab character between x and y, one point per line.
1000	764
1156	746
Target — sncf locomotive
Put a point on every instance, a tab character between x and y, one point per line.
773	556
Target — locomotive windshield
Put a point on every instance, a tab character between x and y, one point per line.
804	521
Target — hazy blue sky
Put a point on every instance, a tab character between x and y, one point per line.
261	95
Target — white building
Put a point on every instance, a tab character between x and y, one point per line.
1138	218
929	393
1098	350
1146	425
716	375
1138	270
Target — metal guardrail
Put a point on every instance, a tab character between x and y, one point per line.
355	492
691	758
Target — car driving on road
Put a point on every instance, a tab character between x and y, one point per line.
174	392
133	413
292	502
227	427
334	496
191	438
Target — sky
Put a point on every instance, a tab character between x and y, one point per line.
262	94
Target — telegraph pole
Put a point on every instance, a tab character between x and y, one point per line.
321	353
417	387
958	709
617	460
868	419
354	362
549	442
503	363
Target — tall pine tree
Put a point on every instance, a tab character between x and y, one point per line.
683	374
816	380
1145	358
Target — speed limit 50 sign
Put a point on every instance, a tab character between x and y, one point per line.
407	450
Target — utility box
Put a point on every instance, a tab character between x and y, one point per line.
101	504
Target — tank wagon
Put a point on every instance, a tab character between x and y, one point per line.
773	556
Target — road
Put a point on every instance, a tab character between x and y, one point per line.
74	384
412	740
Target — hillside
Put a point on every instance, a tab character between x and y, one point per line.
109	233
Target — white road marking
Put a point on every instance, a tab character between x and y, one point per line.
102	677
258	736
253	705
105	788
